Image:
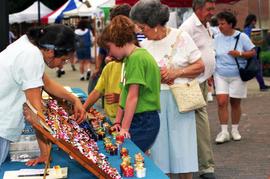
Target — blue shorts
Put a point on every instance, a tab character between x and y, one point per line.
84	53
144	129
4	147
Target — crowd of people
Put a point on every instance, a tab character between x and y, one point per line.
133	74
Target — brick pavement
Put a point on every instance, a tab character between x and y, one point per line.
245	159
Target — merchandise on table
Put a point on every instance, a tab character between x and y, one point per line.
139	165
66	129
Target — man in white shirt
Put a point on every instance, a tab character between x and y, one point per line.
198	27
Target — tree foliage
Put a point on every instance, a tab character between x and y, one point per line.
19	5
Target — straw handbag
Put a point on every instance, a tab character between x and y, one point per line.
188	96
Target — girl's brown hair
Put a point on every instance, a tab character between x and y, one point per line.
120	32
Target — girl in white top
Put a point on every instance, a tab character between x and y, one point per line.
175	148
22	76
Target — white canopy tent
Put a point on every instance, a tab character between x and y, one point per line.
30	14
102	3
84	11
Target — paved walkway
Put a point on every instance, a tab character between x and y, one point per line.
245	159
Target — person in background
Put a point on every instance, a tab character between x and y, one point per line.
107	86
229	86
122	9
137	115
175	149
250	23
83	50
23	78
11	37
198	27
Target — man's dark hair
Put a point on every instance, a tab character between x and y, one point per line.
122	9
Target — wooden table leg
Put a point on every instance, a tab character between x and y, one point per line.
47	165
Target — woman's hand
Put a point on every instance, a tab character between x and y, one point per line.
112	98
235	53
165	76
79	111
125	133
168	75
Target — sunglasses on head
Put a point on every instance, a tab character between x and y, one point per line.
58	51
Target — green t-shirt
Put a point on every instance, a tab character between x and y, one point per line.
109	83
141	68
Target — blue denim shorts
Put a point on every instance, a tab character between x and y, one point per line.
4	147
144	129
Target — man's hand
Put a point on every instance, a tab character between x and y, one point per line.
210	81
112	98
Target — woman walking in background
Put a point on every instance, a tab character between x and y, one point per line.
83	50
250	24
229	86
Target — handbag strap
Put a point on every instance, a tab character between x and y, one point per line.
237	39
172	48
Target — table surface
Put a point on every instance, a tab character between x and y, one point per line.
75	170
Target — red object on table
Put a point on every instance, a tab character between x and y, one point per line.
120	138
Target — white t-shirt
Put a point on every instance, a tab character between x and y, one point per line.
225	63
21	68
185	53
202	37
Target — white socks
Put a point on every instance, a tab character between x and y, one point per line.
224	128
234	127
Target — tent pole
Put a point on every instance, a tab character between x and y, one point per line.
4	30
38	11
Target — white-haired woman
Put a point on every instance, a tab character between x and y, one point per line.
175	149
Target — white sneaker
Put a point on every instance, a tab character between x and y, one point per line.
209	97
235	135
222	137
